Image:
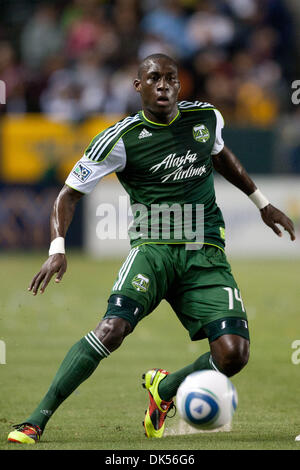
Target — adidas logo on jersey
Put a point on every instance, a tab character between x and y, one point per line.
144	133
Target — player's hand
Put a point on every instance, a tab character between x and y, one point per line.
272	216
55	264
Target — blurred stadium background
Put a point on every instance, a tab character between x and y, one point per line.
68	67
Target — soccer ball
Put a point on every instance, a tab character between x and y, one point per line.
206	399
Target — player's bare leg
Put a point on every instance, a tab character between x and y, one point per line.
112	331
230	353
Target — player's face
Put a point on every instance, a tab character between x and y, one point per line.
159	87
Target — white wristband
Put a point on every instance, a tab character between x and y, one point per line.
259	199
57	246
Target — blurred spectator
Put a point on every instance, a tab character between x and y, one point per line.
208	27
88	30
61	99
121	97
205	65
168	22
220	90
128	36
276	15
41	37
14	78
243	9
74	93
152	44
72	12
37	82
91	75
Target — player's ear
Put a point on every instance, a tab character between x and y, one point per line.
137	84
179	86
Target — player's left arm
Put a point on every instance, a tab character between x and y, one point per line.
229	166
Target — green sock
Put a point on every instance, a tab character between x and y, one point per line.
79	363
168	386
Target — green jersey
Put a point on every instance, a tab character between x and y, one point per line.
167	171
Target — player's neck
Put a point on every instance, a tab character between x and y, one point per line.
160	118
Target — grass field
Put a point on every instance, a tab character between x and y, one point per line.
106	411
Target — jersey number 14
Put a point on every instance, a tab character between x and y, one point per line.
234	294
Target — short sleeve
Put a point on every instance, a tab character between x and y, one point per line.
87	173
219	142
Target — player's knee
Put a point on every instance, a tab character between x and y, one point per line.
112	331
233	360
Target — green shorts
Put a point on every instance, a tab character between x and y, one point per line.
198	284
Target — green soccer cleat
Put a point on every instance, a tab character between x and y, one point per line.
154	422
25	433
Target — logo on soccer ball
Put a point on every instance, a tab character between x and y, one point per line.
201	133
140	283
46	412
81	172
207	399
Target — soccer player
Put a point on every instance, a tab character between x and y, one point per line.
163	156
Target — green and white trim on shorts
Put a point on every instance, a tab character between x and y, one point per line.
125	269
198	284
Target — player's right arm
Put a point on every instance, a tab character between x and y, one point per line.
60	219
105	155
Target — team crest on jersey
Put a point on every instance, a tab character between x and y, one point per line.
201	133
140	282
81	172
